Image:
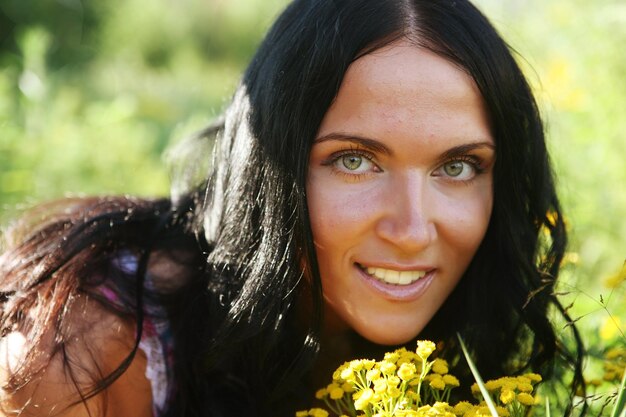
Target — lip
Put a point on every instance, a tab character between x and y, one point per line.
391	292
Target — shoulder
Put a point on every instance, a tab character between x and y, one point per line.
97	341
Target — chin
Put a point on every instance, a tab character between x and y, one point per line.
385	337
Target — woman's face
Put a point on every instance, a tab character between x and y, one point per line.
399	190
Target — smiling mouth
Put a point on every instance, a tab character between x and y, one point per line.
390	276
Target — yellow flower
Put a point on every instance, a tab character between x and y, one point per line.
302	413
533	377
336	393
393	381
392	356
380	386
393	392
462	408
347	387
407	371
475	388
318	412
525	398
425	348
413	396
525	387
348	374
356	365
502	412
483	411
451	380
387	367
364	399
506	396
493	385
442	407
321	393
440	367
437	383
373	374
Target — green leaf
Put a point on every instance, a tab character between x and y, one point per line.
619	410
479	380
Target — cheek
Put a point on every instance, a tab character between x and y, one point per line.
463	223
338	214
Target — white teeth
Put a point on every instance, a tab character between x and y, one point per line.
391	276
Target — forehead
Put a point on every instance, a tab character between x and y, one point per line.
405	90
402	66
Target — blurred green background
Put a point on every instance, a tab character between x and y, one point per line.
93	92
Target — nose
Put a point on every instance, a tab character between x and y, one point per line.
407	215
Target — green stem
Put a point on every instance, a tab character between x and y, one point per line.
477	377
619	410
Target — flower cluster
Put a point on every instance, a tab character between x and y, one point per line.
615	364
512	395
410	384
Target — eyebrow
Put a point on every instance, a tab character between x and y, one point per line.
465	148
376	146
371	144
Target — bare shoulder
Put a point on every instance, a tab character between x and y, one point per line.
99	341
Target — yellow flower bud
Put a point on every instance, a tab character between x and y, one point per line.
506	396
451	380
348	374
533	377
425	348
387	368
321	393
502	412
493	385
525	387
356	365
437	383
483	411
336	393
380	386
318	412
462	408
364	399
392	356
372	374
302	413
525	398
407	371
393	381
393	392
440	367
347	387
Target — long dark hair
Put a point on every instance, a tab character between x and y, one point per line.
246	229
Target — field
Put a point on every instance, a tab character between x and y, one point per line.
93	94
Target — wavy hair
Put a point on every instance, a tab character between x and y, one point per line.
246	225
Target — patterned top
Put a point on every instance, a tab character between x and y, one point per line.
156	339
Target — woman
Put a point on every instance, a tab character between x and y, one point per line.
381	174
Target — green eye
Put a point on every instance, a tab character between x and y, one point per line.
454	168
352	162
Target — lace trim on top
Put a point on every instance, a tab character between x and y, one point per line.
156	339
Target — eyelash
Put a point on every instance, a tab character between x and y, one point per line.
335	157
474	161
